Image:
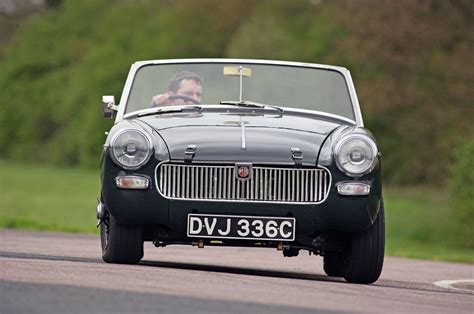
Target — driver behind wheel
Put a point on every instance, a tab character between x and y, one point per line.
184	87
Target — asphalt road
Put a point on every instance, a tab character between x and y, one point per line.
63	273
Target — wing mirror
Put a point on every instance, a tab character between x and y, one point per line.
108	107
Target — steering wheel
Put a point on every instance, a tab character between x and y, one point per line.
185	99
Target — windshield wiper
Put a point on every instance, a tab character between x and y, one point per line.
168	110
250	104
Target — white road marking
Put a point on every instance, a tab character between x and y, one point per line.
448	284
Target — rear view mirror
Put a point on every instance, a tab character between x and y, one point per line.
237	71
108	107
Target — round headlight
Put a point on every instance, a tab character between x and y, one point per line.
131	149
355	154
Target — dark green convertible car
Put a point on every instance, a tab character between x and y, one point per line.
233	152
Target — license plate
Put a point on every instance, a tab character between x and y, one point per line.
241	227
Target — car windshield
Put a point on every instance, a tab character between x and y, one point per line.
277	85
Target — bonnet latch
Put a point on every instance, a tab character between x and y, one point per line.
297	156
189	153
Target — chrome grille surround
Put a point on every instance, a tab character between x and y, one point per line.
212	182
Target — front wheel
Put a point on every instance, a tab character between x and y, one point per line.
363	258
121	244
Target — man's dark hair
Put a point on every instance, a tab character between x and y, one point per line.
175	81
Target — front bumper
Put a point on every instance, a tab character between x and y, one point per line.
148	207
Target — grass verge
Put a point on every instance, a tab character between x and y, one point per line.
418	220
420	224
46	198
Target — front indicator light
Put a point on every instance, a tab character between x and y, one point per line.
132	182
353	188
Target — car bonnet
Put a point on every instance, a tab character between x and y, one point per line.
231	137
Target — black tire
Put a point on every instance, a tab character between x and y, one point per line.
121	244
332	262
363	258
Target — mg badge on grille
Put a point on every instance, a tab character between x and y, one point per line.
243	171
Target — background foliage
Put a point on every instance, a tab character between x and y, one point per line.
411	61
408	59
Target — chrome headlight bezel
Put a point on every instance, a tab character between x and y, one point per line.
147	145
369	167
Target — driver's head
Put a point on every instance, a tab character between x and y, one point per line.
186	83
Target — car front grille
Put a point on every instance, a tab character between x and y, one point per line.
265	184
